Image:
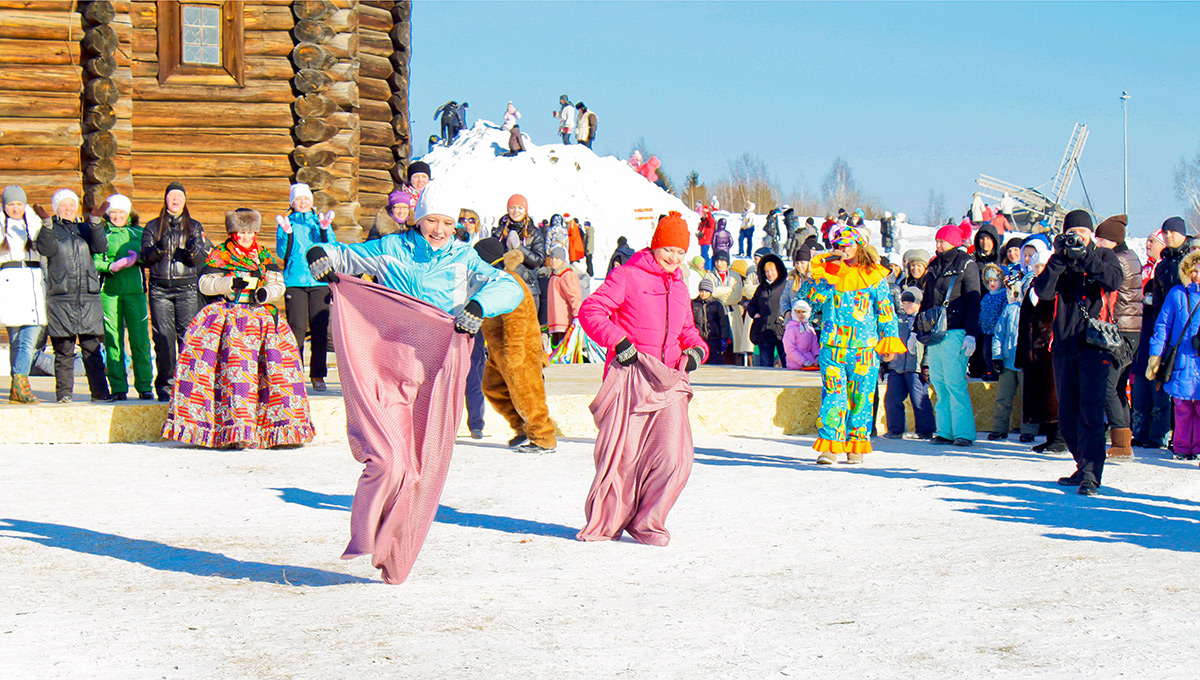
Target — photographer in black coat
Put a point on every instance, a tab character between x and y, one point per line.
1079	274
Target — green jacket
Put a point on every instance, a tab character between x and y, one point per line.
121	240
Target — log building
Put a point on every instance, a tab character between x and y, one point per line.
234	98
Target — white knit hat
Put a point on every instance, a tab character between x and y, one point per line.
299	189
61	195
435	201
120	202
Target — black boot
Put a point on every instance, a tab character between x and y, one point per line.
1075	479
1054	441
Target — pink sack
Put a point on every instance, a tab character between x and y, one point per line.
403	372
643	451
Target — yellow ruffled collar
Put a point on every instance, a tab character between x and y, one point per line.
845	277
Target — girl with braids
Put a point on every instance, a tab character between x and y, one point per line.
239	380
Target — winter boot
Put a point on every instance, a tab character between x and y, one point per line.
826	458
1122	446
1054	441
20	392
854	458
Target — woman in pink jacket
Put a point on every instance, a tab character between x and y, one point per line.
642	313
800	343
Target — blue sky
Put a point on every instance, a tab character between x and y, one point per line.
915	96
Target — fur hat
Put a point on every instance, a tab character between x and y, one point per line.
1113	228
916	255
490	250
950	234
706	284
1189	262
14	194
243	220
120	202
299	190
60	196
671	232
434	201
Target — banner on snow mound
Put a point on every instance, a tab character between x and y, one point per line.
403	370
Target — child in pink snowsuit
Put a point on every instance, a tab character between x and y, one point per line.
643	315
800	343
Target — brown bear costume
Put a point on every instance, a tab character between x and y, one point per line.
512	376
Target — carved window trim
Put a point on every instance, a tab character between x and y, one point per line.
171	68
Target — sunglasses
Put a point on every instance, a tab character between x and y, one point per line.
467	220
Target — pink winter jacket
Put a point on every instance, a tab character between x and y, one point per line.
800	345
565	297
641	301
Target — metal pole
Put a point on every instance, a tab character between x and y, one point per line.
1125	116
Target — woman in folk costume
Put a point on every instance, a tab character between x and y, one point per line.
239	382
642	314
858	325
403	348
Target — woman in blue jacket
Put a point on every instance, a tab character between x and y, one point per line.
1177	324
307	299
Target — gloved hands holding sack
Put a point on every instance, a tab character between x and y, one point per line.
319	265
627	354
470	319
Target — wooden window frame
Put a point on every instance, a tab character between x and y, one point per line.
171	68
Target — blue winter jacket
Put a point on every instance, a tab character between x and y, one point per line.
1185	378
446	278
306	232
1004	336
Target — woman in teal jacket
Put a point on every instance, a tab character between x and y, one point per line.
307	299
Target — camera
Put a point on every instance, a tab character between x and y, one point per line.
1071	240
1071	245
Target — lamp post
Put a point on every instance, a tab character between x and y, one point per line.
1125	116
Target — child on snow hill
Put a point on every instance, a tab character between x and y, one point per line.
1004	357
858	327
800	344
712	322
123	298
565	296
908	376
307	298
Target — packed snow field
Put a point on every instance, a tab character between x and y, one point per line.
161	561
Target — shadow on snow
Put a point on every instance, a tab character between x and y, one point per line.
170	558
1146	520
445	514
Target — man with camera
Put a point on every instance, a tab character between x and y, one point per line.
1080	274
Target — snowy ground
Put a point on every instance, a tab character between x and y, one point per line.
157	561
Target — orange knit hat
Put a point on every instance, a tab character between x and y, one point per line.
672	232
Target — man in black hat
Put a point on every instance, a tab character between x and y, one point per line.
1079	273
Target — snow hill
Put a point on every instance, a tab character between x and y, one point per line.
572	179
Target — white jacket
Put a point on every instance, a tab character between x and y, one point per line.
566	119
22	283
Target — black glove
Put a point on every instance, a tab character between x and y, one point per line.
239	284
694	356
469	319
627	354
319	265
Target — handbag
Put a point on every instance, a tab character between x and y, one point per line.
930	324
1102	333
1167	366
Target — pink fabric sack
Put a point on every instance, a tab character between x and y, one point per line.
643	451
403	371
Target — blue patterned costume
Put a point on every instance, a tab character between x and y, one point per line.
858	323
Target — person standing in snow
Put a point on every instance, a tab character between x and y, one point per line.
721	239
858	329
565	295
746	233
447	114
800	341
887	231
307	299
643	448
908	376
566	118
418	174
711	321
620	255
511	116
22	290
516	231
589	245
586	128
123	298
1126	312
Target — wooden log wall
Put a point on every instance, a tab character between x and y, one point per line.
401	35
40	83
100	98
326	129
228	145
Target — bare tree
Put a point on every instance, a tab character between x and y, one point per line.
936	214
1187	188
747	181
838	189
